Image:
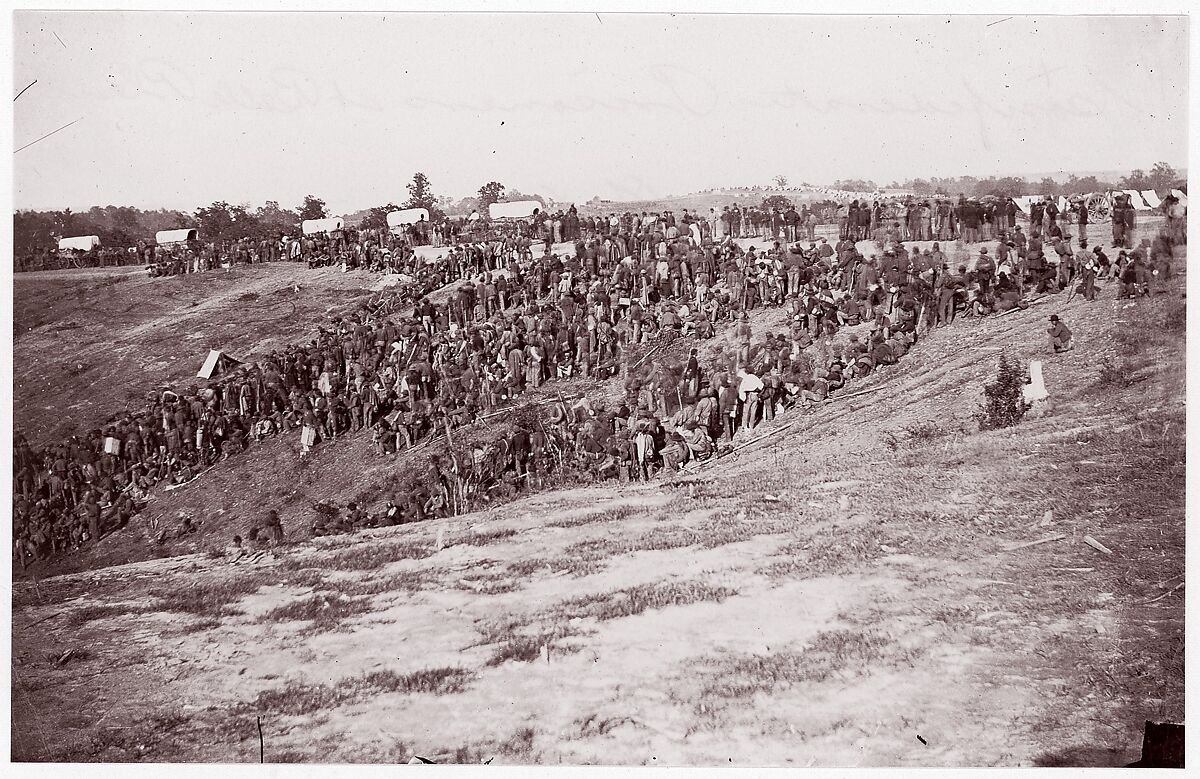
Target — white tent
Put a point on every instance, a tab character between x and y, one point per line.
1151	198
216	363
407	216
314	226
82	243
1025	201
518	209
474	217
177	236
1182	197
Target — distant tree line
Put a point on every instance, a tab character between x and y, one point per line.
1161	176
123	226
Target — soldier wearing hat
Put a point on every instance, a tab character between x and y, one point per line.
985	271
1060	335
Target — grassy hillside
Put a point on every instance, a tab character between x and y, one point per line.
104	338
859	590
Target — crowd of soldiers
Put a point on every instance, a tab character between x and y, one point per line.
512	320
938	219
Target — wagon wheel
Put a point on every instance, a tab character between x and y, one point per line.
1099	208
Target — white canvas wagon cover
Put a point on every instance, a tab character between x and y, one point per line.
177	236
81	242
315	226
517	209
407	216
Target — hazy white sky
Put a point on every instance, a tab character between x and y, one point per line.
178	110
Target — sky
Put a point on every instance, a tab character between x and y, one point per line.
177	110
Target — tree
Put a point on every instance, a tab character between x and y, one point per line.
273	220
313	207
1136	180
420	193
1162	176
776	201
855	185
376	218
221	221
1086	185
1009	186
780	181
1048	186
489	193
1004	399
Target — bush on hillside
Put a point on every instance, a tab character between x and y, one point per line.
1004	400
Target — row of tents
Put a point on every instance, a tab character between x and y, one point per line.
396	220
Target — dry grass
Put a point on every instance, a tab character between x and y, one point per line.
615	514
363	556
488	583
93	612
635	600
403	582
829	653
325	611
300	699
1123	373
832	551
485	538
136	740
524	648
586	557
528	567
212	598
916	436
517	747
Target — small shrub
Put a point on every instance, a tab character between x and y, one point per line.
1004	400
921	434
891	440
925	433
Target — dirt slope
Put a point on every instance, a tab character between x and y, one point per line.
824	598
102	338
